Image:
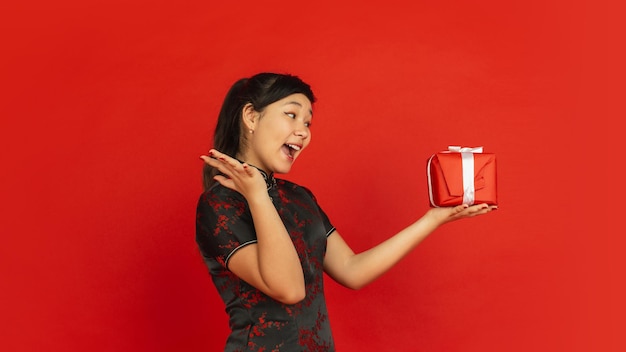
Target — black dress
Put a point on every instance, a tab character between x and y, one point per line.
258	322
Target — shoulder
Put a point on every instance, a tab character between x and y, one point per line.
288	185
219	195
219	191
295	192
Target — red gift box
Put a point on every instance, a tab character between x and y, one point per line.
462	176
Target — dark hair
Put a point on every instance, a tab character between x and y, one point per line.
259	90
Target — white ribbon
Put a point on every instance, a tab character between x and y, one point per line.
457	149
467	160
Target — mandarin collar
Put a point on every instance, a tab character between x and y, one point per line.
270	181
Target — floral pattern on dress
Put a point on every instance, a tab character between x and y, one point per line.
258	322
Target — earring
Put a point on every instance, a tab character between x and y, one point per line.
251	131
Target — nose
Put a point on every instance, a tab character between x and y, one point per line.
302	131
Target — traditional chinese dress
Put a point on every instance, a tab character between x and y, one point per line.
258	322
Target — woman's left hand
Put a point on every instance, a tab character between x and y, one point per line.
449	214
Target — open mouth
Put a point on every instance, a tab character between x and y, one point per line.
291	149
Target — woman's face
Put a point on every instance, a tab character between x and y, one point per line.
280	133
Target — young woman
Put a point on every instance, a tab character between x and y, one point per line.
265	240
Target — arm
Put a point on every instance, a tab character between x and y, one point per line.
357	270
272	264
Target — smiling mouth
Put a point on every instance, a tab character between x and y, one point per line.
291	149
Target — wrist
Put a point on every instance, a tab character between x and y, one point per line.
261	198
433	218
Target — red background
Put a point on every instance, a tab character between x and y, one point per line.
108	104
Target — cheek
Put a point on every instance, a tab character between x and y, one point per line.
281	129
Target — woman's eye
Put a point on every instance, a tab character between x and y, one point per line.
290	114
307	124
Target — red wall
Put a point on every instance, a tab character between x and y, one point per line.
107	106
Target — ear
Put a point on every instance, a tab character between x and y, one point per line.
249	117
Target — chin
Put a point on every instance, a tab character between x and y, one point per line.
282	169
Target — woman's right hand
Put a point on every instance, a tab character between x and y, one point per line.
239	177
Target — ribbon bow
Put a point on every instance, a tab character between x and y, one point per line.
458	149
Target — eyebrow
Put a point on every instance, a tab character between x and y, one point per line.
300	105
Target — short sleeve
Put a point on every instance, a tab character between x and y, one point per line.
329	228
223	224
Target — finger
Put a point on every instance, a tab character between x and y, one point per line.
249	170
459	208
225	181
217	164
480	209
464	210
222	157
225	164
210	161
477	209
231	163
214	162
